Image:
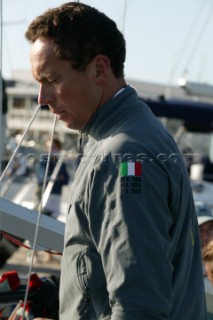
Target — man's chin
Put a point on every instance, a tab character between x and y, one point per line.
70	125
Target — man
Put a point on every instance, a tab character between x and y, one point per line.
205	222
132	248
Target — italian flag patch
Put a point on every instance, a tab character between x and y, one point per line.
131	169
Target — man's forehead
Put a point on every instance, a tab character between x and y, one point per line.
43	46
43	58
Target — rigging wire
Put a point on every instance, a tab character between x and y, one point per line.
198	40
184	46
53	178
39	216
41	203
20	142
43	197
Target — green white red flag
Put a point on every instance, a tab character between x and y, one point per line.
131	169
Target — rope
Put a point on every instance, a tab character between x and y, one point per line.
39	216
21	244
20	142
53	178
41	204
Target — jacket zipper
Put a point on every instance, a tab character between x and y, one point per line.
87	294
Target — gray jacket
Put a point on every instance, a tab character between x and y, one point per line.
132	248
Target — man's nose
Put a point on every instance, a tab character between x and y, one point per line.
44	97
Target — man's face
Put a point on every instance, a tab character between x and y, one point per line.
70	94
206	233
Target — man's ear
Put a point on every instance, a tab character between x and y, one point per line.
102	69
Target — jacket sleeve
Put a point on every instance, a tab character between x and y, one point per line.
129	221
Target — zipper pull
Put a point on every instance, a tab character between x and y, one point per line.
85	304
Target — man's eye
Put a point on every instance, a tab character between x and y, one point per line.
52	81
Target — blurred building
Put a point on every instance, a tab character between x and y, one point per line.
22	92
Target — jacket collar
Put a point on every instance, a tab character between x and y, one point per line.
106	116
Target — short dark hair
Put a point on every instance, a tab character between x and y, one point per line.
81	32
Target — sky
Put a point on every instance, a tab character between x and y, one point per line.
165	39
